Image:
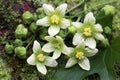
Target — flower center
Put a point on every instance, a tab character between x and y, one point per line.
79	55
87	31
54	19
41	57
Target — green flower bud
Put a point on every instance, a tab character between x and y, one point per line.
72	29
62	33
39	10
21	32
109	10
27	16
107	30
33	27
20	52
9	48
43	32
18	42
35	17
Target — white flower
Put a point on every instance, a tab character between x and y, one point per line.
55	45
55	19
79	55
40	60
88	31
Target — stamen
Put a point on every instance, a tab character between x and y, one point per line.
54	19
41	57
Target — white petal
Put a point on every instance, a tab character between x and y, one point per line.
70	63
31	60
36	46
84	64
49	38
65	23
48	47
41	68
56	54
61	9
43	22
77	24
77	38
67	50
53	30
99	36
89	18
49	61
48	9
98	27
90	42
91	52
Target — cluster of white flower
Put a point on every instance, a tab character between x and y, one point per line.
84	40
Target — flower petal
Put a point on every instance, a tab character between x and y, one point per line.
41	68
84	64
49	61
53	30
99	36
65	23
31	60
77	24
98	27
48	47
91	52
56	54
43	22
49	38
61	9
90	42
77	38
36	46
67	50
48	9
70	62
89	18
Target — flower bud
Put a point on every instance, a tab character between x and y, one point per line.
107	30
39	10
18	42
27	17
72	29
109	10
62	33
20	52
21	32
33	27
9	48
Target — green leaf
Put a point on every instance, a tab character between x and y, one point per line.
102	64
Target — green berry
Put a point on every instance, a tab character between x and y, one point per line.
18	42
9	48
20	52
21	32
33	27
27	17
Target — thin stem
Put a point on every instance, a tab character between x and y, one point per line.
104	3
75	7
33	37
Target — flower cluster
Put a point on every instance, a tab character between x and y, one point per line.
84	40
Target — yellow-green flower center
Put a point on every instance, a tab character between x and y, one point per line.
87	31
41	57
54	19
79	55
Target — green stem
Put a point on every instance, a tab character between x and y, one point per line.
33	37
104	3
75	7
